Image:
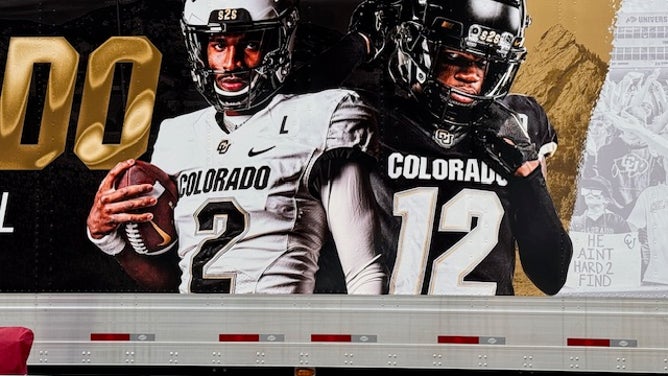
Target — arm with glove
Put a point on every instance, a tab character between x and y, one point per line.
544	246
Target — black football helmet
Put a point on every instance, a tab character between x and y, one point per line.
490	30
272	23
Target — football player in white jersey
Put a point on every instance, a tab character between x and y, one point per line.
264	177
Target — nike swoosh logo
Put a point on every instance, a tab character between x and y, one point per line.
252	152
166	239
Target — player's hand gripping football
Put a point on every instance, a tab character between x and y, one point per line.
502	142
374	19
112	207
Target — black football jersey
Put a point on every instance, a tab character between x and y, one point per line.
446	216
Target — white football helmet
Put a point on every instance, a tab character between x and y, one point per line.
273	21
492	30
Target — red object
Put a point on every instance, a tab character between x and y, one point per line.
590	342
15	345
467	340
159	235
238	337
109	337
331	338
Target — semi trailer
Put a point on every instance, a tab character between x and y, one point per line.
86	86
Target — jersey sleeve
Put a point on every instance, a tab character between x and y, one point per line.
351	137
160	149
352	128
176	141
164	152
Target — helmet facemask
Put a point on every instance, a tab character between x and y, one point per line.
253	84
425	44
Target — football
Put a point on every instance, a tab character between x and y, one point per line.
159	235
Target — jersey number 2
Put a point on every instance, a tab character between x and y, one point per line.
226	222
417	207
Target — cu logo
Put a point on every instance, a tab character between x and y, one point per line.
444	138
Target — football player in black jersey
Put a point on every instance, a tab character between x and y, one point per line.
460	183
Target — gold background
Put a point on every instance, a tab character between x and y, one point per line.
590	20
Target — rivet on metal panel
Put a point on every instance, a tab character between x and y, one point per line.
43	354
172	355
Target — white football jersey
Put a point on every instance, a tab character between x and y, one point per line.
246	218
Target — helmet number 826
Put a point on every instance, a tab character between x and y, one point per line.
490	36
228	14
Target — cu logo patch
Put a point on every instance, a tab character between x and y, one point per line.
223	146
443	138
630	165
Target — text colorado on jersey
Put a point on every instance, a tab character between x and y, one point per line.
413	167
223	179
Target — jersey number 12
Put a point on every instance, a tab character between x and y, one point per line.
417	207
